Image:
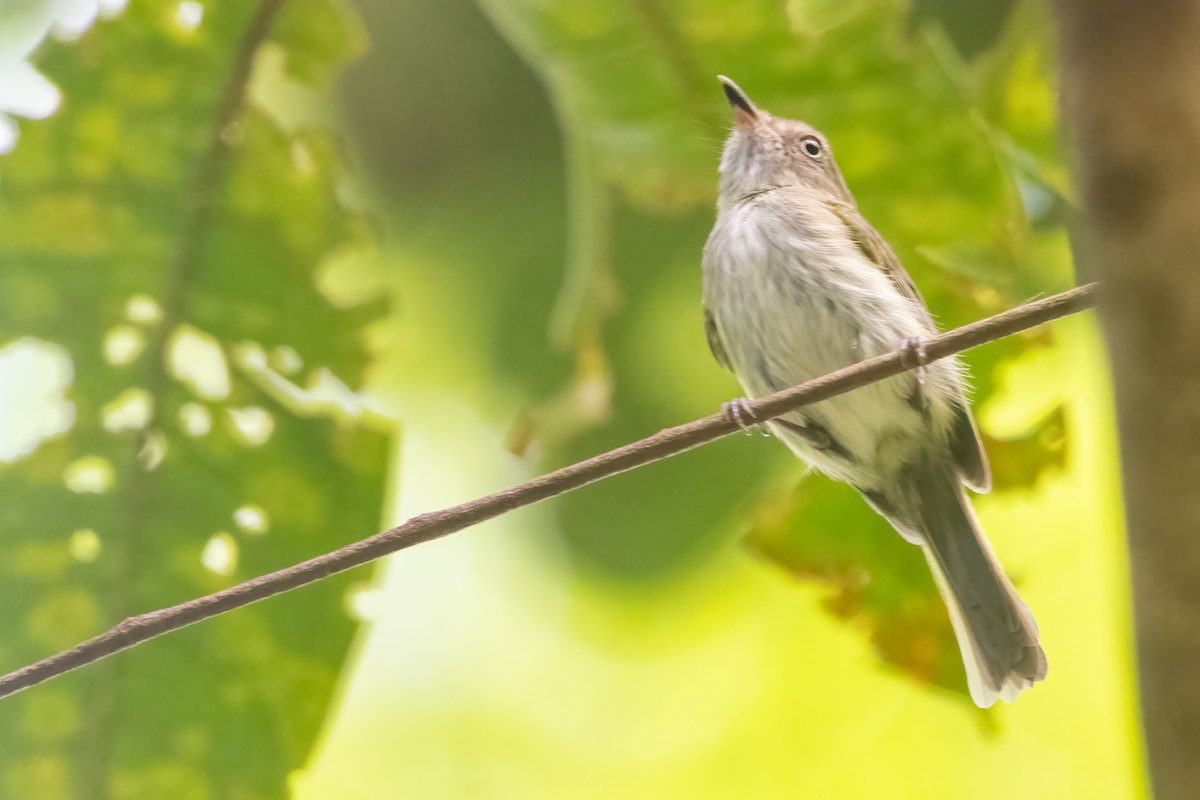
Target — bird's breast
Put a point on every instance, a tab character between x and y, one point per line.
794	298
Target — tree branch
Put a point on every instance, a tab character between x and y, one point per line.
672	441
1132	114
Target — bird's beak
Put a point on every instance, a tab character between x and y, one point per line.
745	113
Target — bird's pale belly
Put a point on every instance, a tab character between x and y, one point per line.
785	328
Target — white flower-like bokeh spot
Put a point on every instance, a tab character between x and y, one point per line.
35	378
24	25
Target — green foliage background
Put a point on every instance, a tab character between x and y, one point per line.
543	174
120	225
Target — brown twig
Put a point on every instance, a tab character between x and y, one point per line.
423	528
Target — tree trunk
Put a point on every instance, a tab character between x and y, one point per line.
1131	97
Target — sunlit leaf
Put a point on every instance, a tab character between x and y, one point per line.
824	532
165	218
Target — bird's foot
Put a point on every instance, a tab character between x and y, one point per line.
739	412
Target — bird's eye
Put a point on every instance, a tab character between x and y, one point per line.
811	146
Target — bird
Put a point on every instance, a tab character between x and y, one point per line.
797	284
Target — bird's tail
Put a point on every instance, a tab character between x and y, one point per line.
995	630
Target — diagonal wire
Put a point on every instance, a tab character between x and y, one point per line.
425	527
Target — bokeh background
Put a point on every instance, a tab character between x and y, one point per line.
276	274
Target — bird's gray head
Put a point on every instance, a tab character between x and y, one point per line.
764	151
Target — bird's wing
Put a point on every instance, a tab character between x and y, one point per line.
714	340
875	248
965	446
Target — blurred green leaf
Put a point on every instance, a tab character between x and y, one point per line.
168	237
1018	462
973	27
824	532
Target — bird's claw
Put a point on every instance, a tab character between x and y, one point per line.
739	412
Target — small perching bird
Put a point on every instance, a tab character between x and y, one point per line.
796	285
